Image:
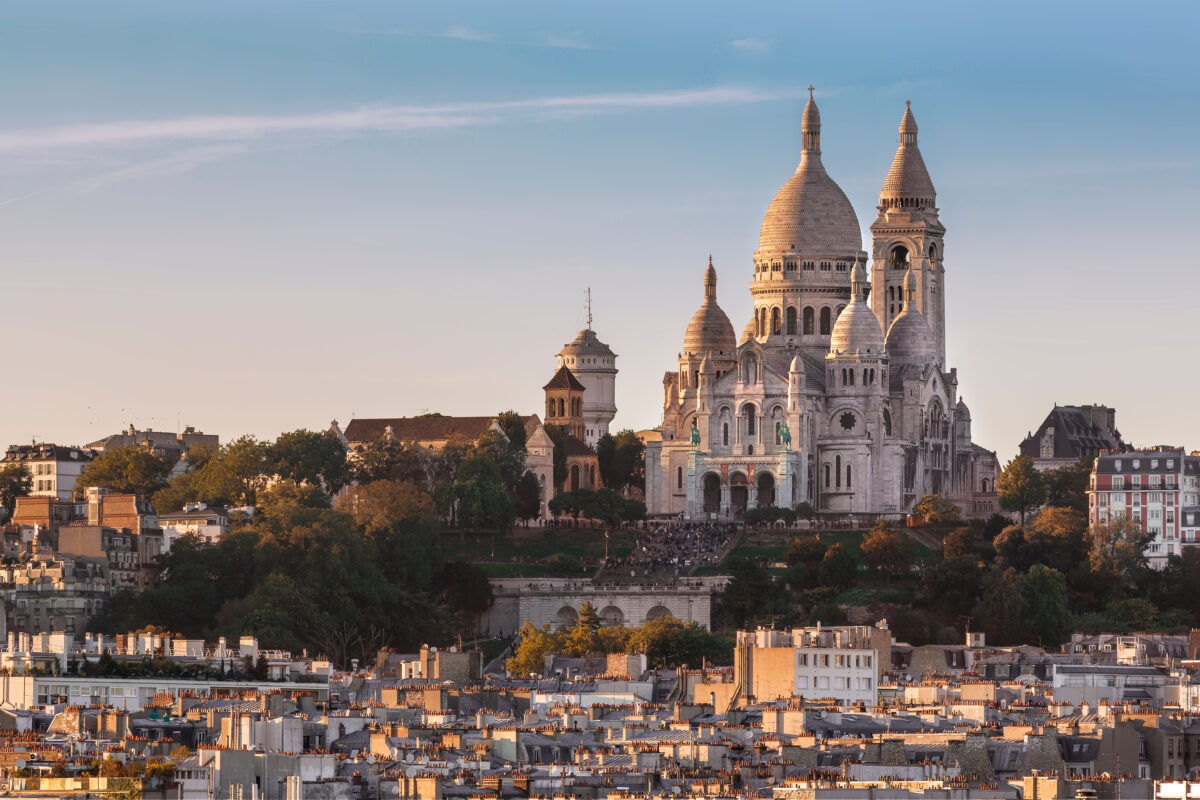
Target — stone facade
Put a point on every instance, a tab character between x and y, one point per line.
816	404
556	602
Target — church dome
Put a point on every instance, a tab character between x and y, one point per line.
857	328
709	328
908	181
910	339
810	214
961	411
747	332
587	344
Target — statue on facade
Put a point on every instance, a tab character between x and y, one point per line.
695	436
785	435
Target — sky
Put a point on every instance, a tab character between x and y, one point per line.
252	217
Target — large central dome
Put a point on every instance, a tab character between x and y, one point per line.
810	215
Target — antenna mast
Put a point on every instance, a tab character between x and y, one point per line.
589	307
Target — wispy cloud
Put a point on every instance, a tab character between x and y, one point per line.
173	164
371	119
465	34
751	45
568	41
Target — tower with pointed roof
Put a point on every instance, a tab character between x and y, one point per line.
564	402
907	234
594	366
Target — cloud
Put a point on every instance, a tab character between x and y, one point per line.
568	41
370	119
465	34
174	164
751	45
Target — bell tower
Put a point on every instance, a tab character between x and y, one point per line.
564	403
908	234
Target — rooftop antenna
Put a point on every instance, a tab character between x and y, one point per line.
589	308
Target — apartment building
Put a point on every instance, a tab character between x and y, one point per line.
842	663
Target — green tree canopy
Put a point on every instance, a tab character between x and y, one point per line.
887	552
304	456
1117	552
1021	487
15	481
1047	616
937	509
837	568
127	470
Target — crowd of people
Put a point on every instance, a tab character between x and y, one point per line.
666	551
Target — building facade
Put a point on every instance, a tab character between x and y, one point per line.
1159	489
816	403
54	468
842	663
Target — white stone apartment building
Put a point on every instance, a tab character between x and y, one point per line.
54	468
1158	488
208	523
842	663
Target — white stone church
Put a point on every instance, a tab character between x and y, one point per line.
816	403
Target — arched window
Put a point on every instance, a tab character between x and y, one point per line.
887	422
848	476
725	433
851	377
550	407
983	484
775	329
899	257
808	321
837	472
791	320
562	407
749	414
825	321
826	476
679	477
778	433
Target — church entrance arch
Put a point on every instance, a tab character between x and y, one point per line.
766	490
574	478
612	616
712	493
566	617
739	492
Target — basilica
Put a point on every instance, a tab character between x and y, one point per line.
837	392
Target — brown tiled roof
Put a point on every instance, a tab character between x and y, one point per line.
417	429
575	447
564	379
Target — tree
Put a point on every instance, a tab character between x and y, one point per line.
128	470
304	456
1047	616
805	510
381	503
1001	608
937	510
481	498
561	565
953	583
530	655
1132	614
588	617
388	459
749	595
1066	487
886	552
837	568
1012	549
1117	550
1060	537
466	588
15	481
514	429
622	460
528	497
958	543
1020	487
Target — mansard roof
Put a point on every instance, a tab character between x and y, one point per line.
1079	432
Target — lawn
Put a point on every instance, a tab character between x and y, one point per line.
772	546
520	553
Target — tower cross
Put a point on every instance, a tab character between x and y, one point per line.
810	91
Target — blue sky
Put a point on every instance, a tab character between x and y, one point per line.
253	217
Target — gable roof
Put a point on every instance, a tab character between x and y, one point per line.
565	379
1079	432
417	429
